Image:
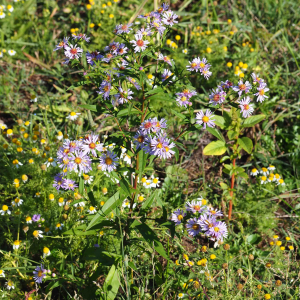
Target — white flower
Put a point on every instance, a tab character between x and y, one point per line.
2	15
10	8
271	168
127	158
73	116
9	285
254	172
126	203
79	204
17	202
17	163
280	182
61	201
1	54
139	43
16	245
60	136
155	181
37	234
11	52
147	184
92	210
264	171
50	162
59	226
185	51
46	252
140	198
263	180
5	210
33	98
88	179
2	273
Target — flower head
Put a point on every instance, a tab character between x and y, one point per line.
193	226
109	161
246	108
177	216
39	274
72	51
139	44
205	119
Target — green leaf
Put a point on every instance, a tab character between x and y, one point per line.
246	144
142	162
109	205
179	115
175	149
224	158
127	112
81	185
111	284
216	133
149	200
232	134
243	175
253	238
251	121
219	121
125	186
90	107
150	237
215	148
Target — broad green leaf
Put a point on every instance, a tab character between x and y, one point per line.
150	237
219	121
179	115
112	283
232	134
149	200
251	121
215	148
142	162
216	133
90	107
246	144
253	238
127	112
125	186
110	204
81	185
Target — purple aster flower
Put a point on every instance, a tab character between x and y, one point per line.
206	73
206	221
139	44
81	162
206	120
66	61
261	92
139	139
108	161
105	88
194	206
73	52
90	145
123	28
182	100
218	231
39	274
246	108
194	65
71	146
256	78
242	87
158	125
166	74
157	24
203	64
57	181
62	44
147	126
81	36
214	212
122	49
225	85
133	81
193	226
217	96
145	32
112	47
166	59
108	56
93	57
169	18
36	218
69	184
160	145
124	95
177	216
163	8
189	93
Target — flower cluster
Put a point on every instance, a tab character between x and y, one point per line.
200	65
201	218
267	175
153	140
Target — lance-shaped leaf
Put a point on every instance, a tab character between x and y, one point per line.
215	148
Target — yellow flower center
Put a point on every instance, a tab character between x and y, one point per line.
195	226
78	160
180	217
261	92
73	114
40	273
205	119
216	229
159	145
4	207
108	161
197	207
